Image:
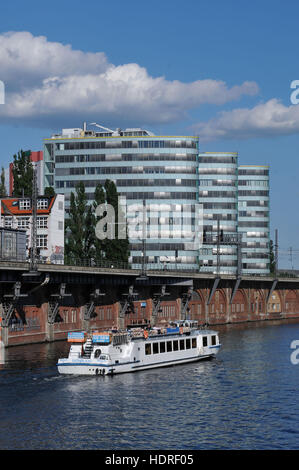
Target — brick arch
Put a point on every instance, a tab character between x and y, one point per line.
239	307
275	303
258	298
217	308
197	306
291	303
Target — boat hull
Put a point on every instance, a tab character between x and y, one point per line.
90	367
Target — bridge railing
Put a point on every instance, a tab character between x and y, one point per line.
157	267
123	265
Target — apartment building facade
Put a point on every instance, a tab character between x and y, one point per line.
16	213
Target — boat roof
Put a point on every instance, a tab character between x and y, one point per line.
208	332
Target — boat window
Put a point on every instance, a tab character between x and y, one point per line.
148	349
97	353
162	347
175	345
182	344
205	341
193	343
213	340
104	357
169	346
155	348
188	344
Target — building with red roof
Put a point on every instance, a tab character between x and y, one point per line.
17	213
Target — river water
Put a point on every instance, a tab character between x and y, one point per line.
246	398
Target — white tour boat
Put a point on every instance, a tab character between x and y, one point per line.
114	352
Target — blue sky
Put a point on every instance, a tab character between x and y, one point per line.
218	69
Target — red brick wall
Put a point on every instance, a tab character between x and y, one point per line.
247	305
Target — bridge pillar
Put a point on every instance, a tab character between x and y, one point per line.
120	316
228	292
4	336
184	303
49	330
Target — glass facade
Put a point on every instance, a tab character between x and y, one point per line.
218	186
253	217
162	171
236	202
177	183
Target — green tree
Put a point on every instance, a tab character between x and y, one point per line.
80	235
22	174
100	245
79	240
117	250
3	192
49	191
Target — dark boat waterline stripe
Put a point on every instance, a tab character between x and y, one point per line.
132	362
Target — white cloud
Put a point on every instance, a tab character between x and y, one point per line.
263	120
48	82
26	60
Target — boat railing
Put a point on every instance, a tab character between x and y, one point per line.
154	332
120	338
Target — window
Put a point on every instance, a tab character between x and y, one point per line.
155	348
193	343
23	222
205	341
109	313
25	204
41	241
182	344
60	225
65	315
74	315
175	345
42	222
213	340
188	343
42	203
148	349
162	347
7	222
101	314
169	346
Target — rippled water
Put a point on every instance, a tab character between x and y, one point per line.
246	398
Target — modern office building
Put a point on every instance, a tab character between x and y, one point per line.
16	213
236	215
218	177
187	194
160	170
253	218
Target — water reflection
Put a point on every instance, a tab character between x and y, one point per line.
2	353
245	398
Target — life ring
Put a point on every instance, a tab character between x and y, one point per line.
145	334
